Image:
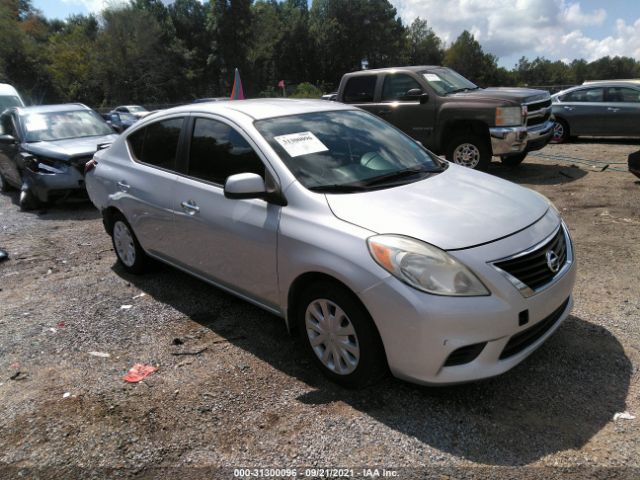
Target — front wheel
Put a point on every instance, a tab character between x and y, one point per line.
469	150
340	336
128	250
513	160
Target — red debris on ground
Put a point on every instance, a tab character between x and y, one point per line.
139	372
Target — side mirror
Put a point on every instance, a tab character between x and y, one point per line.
417	94
7	140
245	185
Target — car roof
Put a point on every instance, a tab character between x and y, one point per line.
410	68
261	108
633	81
6	89
64	107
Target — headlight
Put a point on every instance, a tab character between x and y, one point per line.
424	266
509	116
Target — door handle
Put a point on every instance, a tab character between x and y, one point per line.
124	186
190	207
613	109
568	108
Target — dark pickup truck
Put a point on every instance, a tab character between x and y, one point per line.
452	116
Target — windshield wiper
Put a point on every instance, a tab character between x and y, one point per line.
397	175
465	89
338	188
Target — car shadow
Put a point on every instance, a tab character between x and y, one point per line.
536	409
537	173
79	208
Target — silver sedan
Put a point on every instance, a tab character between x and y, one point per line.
381	255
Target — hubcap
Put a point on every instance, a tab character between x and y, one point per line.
558	132
123	241
466	154
332	336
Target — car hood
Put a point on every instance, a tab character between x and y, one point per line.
72	147
458	208
518	95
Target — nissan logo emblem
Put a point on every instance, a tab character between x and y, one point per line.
553	261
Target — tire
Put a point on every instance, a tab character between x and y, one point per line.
560	131
28	200
513	160
130	254
469	150
362	360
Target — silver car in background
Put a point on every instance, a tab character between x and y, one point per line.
606	108
379	253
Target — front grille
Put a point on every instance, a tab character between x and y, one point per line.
527	337
464	354
532	268
538	120
534	107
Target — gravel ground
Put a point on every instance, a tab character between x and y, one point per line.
252	399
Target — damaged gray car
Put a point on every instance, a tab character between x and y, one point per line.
43	150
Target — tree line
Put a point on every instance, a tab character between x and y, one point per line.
151	53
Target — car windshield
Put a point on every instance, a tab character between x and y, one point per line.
347	151
8	101
445	81
47	126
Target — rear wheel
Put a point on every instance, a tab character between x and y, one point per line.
469	150
560	131
340	336
513	160
128	250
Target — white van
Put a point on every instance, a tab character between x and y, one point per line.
9	97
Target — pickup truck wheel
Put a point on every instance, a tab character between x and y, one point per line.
560	131
469	150
513	160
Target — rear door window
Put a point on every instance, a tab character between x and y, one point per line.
157	143
623	95
360	89
218	151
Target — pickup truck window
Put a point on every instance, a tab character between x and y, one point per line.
396	86
360	89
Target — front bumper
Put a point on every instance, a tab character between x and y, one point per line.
512	140
420	331
45	186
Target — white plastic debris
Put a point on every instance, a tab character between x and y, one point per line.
52	330
125	307
100	354
624	416
140	295
66	395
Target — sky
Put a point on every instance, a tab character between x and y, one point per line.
510	29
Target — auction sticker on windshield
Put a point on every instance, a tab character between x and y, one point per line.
432	77
301	143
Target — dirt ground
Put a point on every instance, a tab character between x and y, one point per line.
252	399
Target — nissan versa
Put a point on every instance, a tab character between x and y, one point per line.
379	253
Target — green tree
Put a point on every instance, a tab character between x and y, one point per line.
424	47
465	55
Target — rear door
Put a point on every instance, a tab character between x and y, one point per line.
231	242
145	186
623	109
